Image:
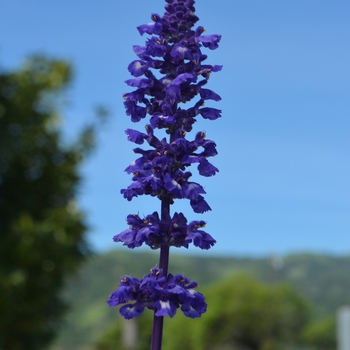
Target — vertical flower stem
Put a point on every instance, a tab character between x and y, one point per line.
164	249
164	259
157	333
157	330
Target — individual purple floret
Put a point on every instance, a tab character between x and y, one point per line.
157	292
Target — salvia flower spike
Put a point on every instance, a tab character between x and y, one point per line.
169	79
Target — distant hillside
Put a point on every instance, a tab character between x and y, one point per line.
324	280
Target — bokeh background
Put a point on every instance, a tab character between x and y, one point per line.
281	200
283	139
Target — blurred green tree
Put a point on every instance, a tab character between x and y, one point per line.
42	232
321	334
243	314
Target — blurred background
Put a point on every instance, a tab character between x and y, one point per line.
280	201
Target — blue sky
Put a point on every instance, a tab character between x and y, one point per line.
283	140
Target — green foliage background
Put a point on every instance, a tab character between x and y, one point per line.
42	231
310	275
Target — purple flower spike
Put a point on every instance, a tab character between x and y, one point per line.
168	86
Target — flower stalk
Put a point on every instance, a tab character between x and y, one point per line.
168	73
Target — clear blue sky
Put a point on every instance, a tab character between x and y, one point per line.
283	140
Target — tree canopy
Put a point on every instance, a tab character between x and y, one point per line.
42	231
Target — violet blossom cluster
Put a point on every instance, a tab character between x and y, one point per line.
168	73
158	292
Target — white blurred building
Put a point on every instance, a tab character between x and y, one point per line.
343	328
